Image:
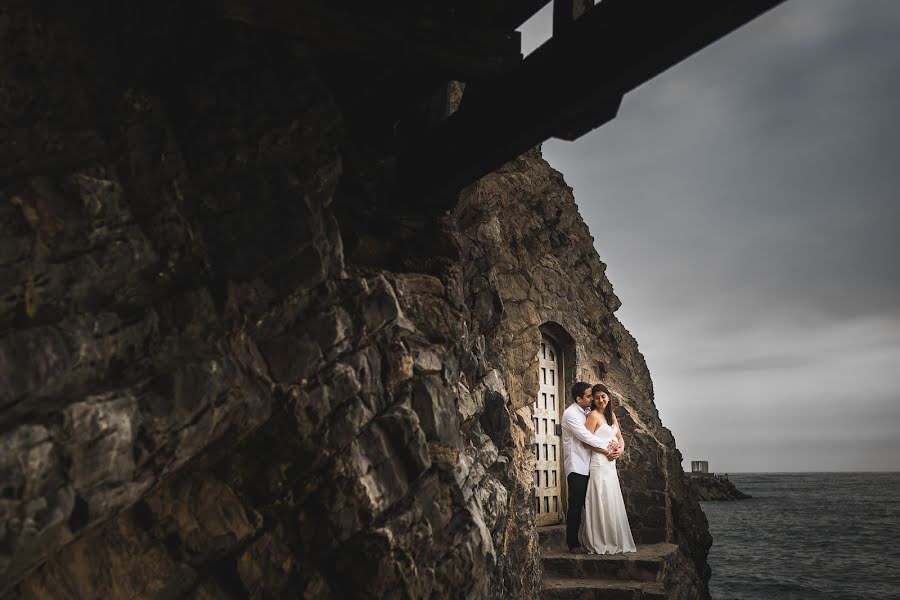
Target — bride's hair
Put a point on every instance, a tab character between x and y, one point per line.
608	411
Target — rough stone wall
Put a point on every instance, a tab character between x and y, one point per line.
140	248
530	261
201	397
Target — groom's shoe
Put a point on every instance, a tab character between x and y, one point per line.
578	550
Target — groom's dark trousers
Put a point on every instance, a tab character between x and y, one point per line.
577	491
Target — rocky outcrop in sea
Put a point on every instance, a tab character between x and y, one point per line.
711	487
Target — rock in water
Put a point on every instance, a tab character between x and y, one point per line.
711	487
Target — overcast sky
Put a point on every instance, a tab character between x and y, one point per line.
747	204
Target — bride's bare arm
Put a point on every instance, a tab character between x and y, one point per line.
591	425
583	434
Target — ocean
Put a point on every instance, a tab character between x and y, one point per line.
807	536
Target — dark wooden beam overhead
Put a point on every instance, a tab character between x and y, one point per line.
373	32
508	14
568	86
566	12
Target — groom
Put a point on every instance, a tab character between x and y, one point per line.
578	443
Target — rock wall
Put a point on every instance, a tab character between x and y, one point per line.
224	374
532	267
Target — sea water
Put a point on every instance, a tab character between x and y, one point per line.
807	536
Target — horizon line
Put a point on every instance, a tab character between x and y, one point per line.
794	472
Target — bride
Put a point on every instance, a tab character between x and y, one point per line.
604	528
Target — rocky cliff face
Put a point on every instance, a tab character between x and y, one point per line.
227	371
527	249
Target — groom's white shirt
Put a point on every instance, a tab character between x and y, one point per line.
577	456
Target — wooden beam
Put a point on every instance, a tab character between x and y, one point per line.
505	14
371	32
568	86
566	12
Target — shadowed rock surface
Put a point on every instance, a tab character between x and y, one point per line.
230	367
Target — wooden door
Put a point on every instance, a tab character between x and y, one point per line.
547	442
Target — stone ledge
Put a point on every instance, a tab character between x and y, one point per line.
601	589
593	566
552	536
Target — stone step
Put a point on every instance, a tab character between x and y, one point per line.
648	564
601	589
552	536
633	576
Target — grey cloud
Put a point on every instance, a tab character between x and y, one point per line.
792	204
821	455
747	204
755	363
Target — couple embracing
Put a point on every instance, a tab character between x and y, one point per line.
592	441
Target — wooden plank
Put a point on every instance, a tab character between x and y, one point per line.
507	15
370	31
566	12
568	86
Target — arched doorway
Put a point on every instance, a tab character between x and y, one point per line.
548	474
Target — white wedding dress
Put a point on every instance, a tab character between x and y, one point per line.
604	526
